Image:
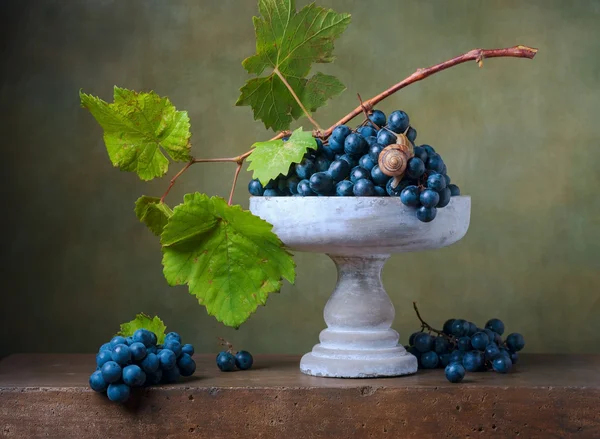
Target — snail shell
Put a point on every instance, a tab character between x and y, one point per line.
392	161
405	145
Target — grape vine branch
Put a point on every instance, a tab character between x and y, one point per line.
477	55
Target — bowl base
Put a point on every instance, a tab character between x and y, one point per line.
339	363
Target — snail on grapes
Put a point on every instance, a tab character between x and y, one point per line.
394	158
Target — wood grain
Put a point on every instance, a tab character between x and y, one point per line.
547	396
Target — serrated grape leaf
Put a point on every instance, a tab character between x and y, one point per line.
289	42
138	127
153	213
144	321
274	157
229	258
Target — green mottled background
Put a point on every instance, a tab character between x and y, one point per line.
521	137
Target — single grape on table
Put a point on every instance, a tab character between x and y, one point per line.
461	346
137	361
347	164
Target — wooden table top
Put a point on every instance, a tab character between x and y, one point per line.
546	395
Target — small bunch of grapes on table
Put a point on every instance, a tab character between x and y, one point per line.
463	347
137	361
348	163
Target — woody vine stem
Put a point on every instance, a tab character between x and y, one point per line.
477	55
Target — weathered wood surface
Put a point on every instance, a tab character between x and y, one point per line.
547	396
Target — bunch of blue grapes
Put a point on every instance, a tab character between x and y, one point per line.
346	164
139	361
228	362
463	347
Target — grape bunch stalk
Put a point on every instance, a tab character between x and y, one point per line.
461	346
377	159
137	361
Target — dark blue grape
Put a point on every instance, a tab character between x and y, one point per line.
411	339
429	360
367	131
272	184
515	342
105	347
322	163
151	363
118	392
186	365
423	342
319	149
364	188
378	118
272	193
129	341
111	372
495	325
167	359
329	152
456	356
426	214
255	188
380	192
441	345
134	376
514	357
447	177
305	169
173	345
353	162
378	177
396	191
244	360
504	353
491	350
117	340
97	383
454	372
448	326
473	361
340	133
366	162
444	359
429	198
464	343
226	361
336	146
413	350
480	340
292	184
410	196
436	182
454	190
444	197
358	173
304	189
355	145
138	351
444	169
472	329
460	327
434	163
103	357
385	137
339	170
154	377
121	354
371	140
411	134
421	153
173	335
415	167
322	183
501	363
171	375
429	149
398	121
374	151
282	186
187	349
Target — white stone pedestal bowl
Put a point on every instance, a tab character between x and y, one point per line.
359	234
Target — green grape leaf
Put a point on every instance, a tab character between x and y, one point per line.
144	321
274	157
138	127
229	258
289	42
153	213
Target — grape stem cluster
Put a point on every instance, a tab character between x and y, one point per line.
424	324
477	55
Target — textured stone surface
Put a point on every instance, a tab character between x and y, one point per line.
546	396
359	233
